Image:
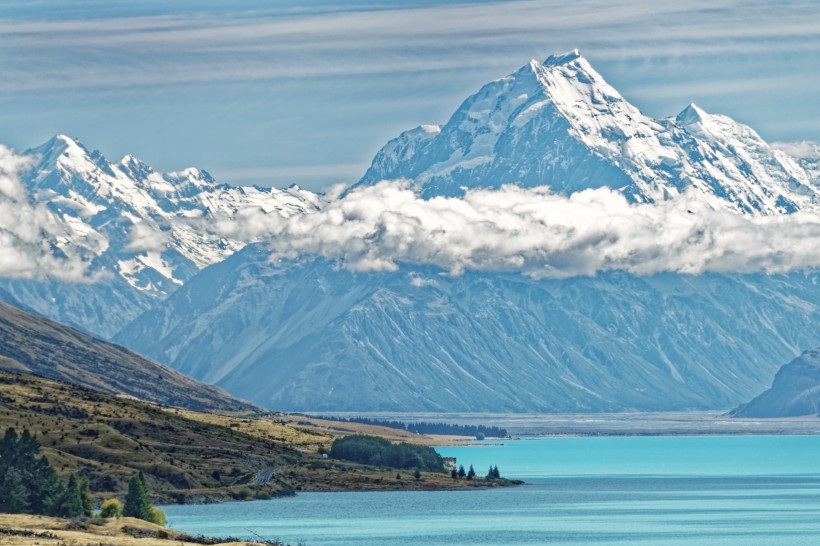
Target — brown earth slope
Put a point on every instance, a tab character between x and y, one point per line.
187	456
33	343
107	439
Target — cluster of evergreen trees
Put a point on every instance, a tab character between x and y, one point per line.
461	473
445	429
493	473
375	451
29	484
138	503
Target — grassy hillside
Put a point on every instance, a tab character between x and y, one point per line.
308	433
187	456
33	343
107	439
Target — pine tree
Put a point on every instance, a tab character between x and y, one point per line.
71	503
8	450
85	497
13	493
471	473
496	473
461	472
454	474
41	491
137	503
45	488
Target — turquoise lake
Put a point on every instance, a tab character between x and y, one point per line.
602	490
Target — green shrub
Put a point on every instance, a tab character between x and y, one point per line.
245	494
111	508
158	516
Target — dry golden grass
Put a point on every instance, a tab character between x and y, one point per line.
273	428
338	428
26	530
108	439
308	434
190	456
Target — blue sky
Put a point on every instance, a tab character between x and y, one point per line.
307	92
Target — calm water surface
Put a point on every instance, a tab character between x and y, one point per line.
604	490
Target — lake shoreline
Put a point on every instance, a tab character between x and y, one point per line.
727	489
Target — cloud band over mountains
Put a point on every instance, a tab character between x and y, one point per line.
532	231
536	232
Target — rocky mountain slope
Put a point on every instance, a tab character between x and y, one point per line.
310	336
794	392
29	342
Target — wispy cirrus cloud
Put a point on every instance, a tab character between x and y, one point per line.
166	48
286	81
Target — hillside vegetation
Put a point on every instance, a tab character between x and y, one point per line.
186	456
106	439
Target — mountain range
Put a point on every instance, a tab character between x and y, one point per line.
139	230
313	336
308	334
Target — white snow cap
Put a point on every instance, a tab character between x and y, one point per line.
565	58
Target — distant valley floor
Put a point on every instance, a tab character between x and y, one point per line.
609	424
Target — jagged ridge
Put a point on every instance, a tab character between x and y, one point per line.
136	226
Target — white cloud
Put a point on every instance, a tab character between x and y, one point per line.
31	236
142	238
420	282
537	233
804	149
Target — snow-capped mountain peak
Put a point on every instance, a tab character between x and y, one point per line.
559	123
564	58
690	115
65	152
134	167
